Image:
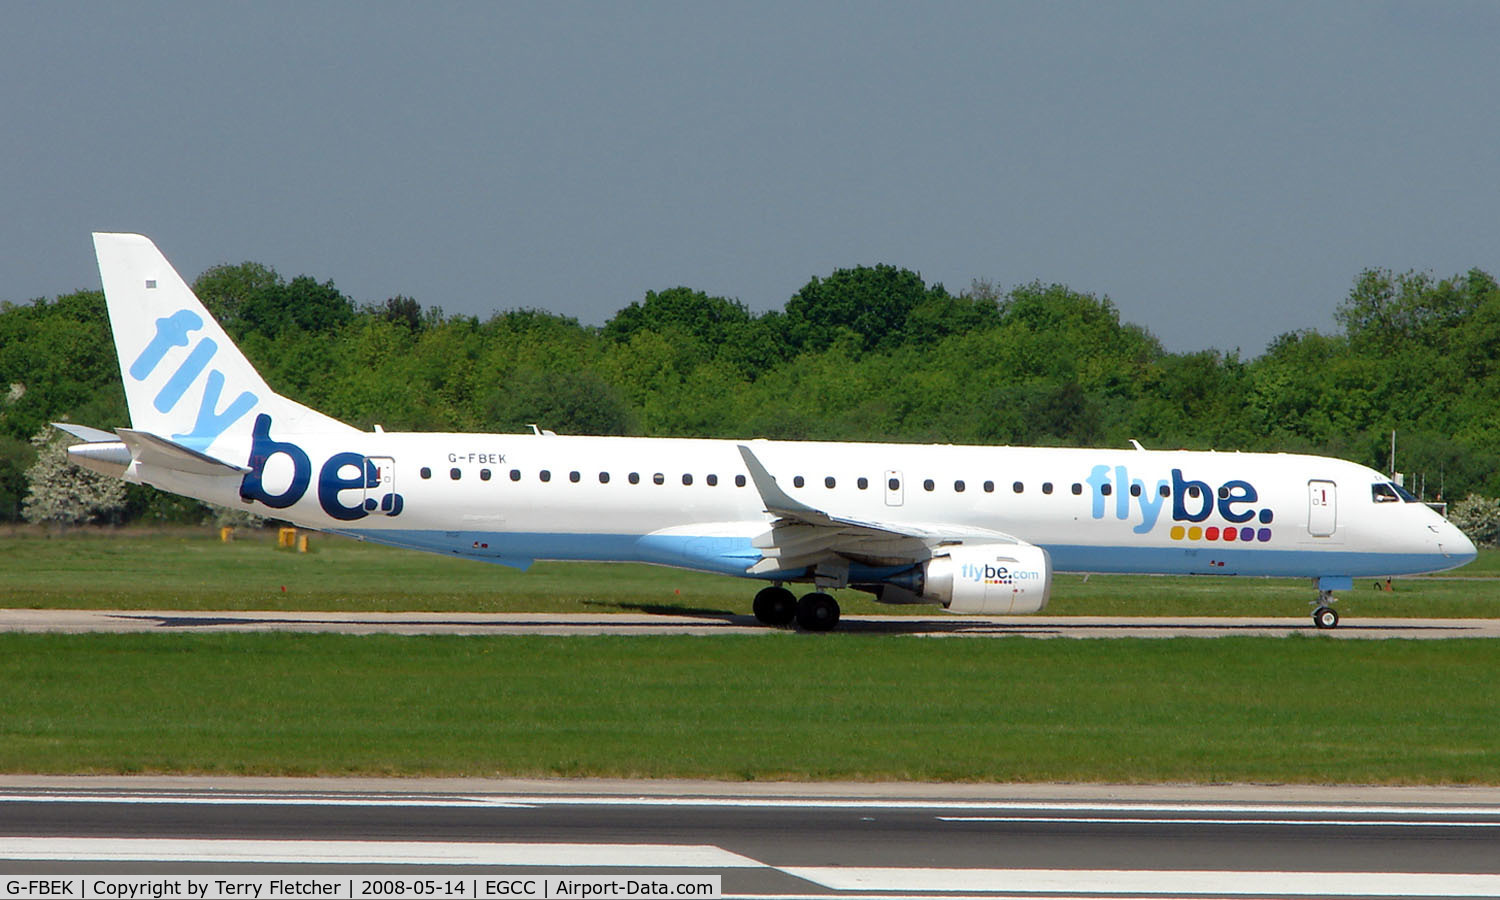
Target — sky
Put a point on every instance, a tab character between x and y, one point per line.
1221	171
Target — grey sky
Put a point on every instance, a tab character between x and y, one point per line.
1221	171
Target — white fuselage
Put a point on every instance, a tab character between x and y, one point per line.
513	498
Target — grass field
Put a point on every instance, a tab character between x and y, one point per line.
193	570
778	706
771	706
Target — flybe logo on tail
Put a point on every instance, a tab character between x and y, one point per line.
1232	505
210	422
341	472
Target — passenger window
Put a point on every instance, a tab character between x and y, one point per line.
798	481
713	480
1077	489
894	484
545	475
1193	491
604	478
426	472
863	483
958	487
926	485
1018	487
1135	490
829	482
686	478
1106	489
1046	487
484	474
1223	493
455	474
989	487
1164	490
573	477
658	478
739	481
515	474
635	477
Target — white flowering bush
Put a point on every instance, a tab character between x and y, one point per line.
60	493
1478	517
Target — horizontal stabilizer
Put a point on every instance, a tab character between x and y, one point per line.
85	433
153	450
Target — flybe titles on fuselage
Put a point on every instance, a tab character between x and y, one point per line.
1197	510
340	472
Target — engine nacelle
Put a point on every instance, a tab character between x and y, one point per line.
989	579
983	579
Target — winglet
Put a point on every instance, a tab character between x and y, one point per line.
776	500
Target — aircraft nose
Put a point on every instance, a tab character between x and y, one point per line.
1454	543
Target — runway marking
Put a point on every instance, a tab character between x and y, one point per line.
1136	883
404	853
268	800
1117	820
1187	813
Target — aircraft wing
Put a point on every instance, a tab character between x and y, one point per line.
803	536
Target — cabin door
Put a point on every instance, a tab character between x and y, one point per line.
895	489
1322	508
380	484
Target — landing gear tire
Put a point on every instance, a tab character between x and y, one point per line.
1325	617
817	612
775	606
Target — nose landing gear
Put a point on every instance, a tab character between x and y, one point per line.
1325	616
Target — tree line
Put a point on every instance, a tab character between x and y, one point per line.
867	353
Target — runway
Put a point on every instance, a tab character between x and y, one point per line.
774	841
78	621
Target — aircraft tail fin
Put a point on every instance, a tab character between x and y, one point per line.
185	380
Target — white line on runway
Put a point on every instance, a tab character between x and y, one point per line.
1207	810
402	853
1115	820
269	800
1153	883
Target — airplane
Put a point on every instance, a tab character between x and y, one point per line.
970	529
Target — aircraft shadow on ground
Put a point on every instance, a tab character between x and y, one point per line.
709	620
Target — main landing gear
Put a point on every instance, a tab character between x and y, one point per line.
778	606
1325	616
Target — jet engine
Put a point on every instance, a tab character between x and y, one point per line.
983	579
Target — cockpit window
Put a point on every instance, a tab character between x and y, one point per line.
1386	492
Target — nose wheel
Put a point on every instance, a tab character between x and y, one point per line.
1325	616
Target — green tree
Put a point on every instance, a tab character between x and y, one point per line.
873	302
560	401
